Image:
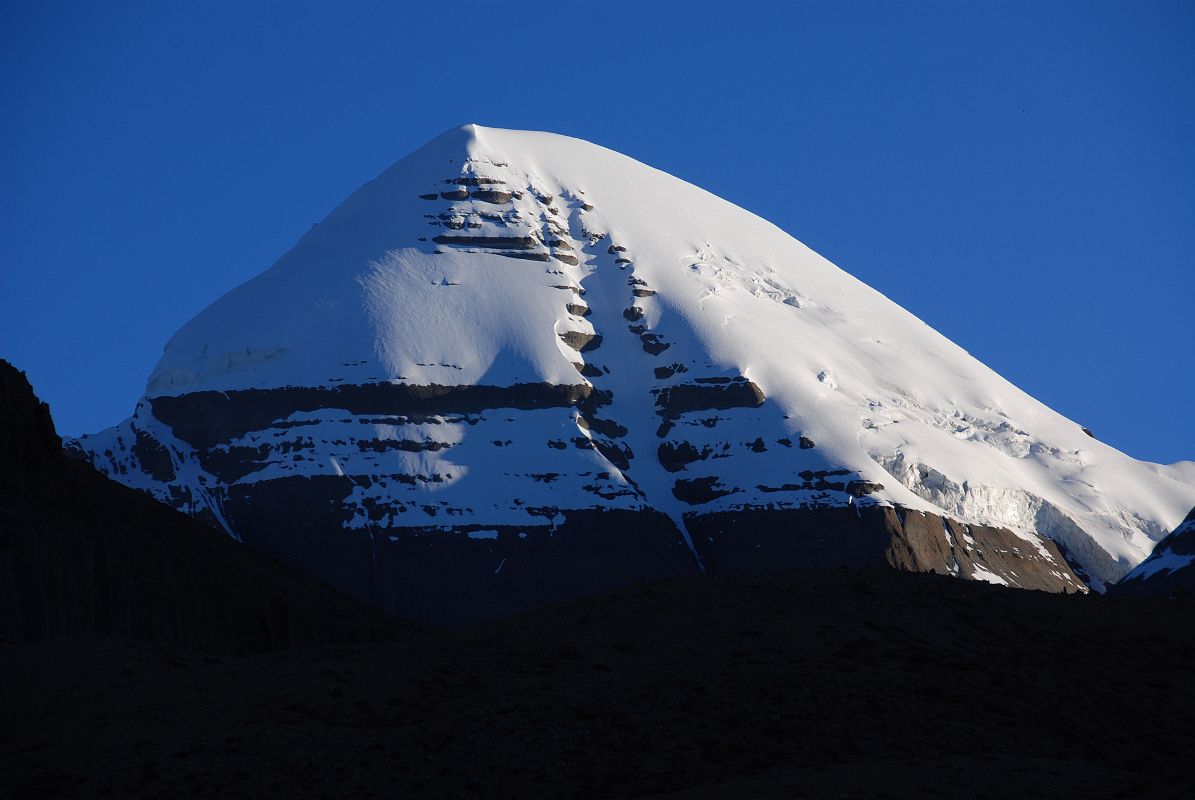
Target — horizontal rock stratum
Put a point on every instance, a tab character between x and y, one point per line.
518	367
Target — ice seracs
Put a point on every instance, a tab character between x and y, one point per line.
622	376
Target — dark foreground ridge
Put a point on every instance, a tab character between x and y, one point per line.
831	683
79	552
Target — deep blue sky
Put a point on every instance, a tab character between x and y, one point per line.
1019	175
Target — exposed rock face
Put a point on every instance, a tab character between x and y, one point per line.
711	395
748	542
516	368
81	553
206	419
1170	569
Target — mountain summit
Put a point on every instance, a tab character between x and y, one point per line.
518	367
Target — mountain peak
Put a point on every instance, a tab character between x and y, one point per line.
508	334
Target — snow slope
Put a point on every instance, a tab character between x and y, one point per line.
487	258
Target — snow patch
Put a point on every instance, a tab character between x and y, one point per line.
483	534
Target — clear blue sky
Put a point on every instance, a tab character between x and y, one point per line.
1019	175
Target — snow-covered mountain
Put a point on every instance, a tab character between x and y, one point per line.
1169	568
518	367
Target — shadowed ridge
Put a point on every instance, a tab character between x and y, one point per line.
29	445
79	552
1170	568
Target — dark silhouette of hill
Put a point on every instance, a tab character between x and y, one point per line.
816	684
79	552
